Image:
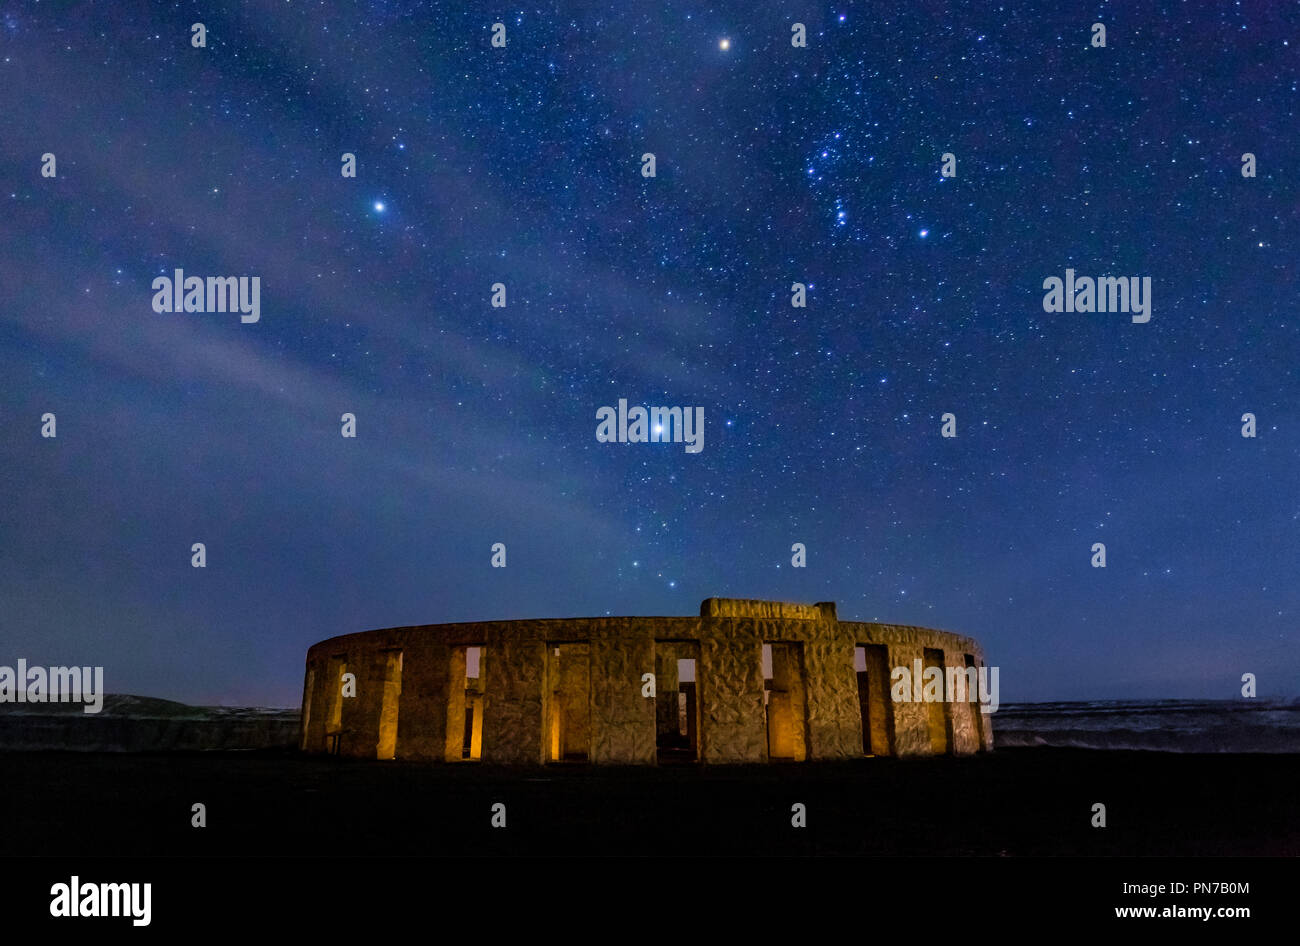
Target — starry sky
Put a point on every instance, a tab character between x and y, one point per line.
476	425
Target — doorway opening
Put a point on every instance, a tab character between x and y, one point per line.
465	704
569	676
338	666
783	697
309	696
387	748
677	707
938	713
871	662
973	701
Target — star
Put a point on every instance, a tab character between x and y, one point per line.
969	336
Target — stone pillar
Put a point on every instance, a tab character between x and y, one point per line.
732	723
512	724
622	720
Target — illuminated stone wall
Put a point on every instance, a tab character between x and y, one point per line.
518	686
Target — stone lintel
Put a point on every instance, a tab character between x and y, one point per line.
755	608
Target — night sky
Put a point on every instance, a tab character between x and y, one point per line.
477	425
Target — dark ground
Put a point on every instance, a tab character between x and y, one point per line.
1012	802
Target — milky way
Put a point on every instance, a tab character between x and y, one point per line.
476	425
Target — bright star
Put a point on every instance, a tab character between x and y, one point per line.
379	206
924	234
724	44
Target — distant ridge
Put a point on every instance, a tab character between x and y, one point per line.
131	723
1256	725
141	707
